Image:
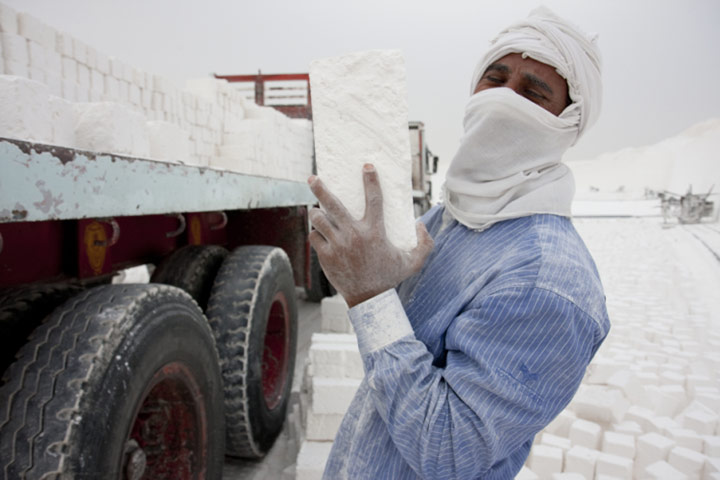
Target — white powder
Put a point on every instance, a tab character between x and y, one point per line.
360	116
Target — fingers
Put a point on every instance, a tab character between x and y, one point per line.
425	245
330	202
322	224
373	196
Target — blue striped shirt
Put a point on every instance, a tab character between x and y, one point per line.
467	360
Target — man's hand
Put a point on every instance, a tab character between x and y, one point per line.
356	256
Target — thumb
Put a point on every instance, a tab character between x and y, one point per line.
425	245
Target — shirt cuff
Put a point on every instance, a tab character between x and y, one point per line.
379	321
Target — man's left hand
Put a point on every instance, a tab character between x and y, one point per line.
356	255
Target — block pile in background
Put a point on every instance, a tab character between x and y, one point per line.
56	89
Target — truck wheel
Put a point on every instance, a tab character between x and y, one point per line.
253	314
319	285
122	381
192	268
21	311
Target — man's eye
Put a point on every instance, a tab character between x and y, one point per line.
493	79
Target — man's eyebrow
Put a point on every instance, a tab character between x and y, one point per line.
498	67
538	82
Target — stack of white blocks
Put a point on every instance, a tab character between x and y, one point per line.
58	90
332	377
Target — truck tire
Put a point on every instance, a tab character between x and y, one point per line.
21	311
253	314
319	285
192	268
121	380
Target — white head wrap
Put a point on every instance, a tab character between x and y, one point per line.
508	164
552	40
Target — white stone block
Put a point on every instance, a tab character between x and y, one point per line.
91	57
64	44
63	117
340	360
112	88
37	57
16	68
333	395
360	116
124	91
585	433
69	69
311	460
14	48
112	128
25	112
687	461
600	404
322	426
551	440
83	76
526	474
651	448
561	424
134	94
8	20
80	51
168	142
700	421
204	87
711	445
620	444
614	465
162	84
117	68
53	62
601	369
83	93
102	63
334	315
69	91
684	437
581	460
628	427
97	81
662	471
35	30
37	74
642	416
545	461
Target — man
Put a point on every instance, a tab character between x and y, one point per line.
499	309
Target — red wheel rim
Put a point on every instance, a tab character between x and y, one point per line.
170	426
275	351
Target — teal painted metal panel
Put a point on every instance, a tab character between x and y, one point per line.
40	182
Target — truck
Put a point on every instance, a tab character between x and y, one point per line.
158	379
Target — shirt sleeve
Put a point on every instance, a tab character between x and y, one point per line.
513	361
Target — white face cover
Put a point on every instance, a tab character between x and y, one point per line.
509	161
508	164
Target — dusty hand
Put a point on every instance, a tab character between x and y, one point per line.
356	255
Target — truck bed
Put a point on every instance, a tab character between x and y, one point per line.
42	182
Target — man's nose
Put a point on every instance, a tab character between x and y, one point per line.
513	83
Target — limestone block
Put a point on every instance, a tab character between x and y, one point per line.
526	474
69	69
25	112
53	62
37	57
711	445
628	427
83	76
545	461
112	128
684	437
687	461
642	416
80	51
63	118
102	63
37	74
712	467
91	57
112	88
311	460
69	91
581	460
614	465
333	395
17	69
322	426
630	385
8	20
35	30
586	434
600	404
619	444
64	44
551	440
341	360
360	116
662	471
14	48
700	421
334	315
601	369
561	424
651	448
168	142
709	399
567	476
97	81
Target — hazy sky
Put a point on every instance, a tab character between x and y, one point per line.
661	60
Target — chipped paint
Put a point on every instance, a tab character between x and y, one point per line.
41	182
